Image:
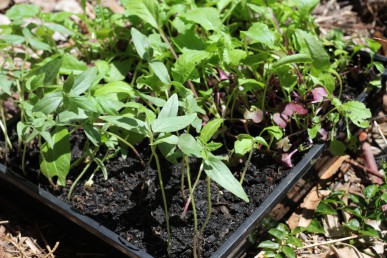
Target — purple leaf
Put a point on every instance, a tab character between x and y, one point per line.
280	119
318	94
294	108
323	133
286	159
222	75
256	115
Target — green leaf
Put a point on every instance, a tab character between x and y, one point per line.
221	174
168	138
13	39
353	224
147	10
356	112
267	244
274	131
260	33
50	70
296	58
49	103
312	132
83	81
39	45
72	65
369	231
207	17
21	11
358	199
114	88
279	234
141	42
370	192
288	251
306	6
188	145
210	128
161	71
316	49
324	208
158	102
337	148
127	123
35	81
315	227
294	241
170	108
172	124
243	146
56	161
102	167
186	64
92	134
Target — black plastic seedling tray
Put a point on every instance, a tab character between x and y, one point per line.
233	247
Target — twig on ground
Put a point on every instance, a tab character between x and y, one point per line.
328	242
380	131
373	172
4	222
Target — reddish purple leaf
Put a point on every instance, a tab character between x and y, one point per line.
294	108
222	75
286	159
280	119
256	115
319	93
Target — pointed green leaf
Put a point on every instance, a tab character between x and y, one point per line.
161	71
172	124
141	42
21	11
288	251
170	108
267	244
147	10
50	69
210	128
127	123
296	58
188	145
56	161
222	175
243	146
186	64
49	103
83	81
260	32
207	17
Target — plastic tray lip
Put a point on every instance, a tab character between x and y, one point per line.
70	213
247	227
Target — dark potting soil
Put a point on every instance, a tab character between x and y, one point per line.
131	205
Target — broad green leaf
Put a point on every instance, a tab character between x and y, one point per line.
306	6
294	241
69	83
172	124
21	11
221	174
296	58
337	148
370	192
188	145
274	131
312	132
35	81
92	134
353	224
83	81
141	42
171	107
158	102
147	10
317	52
50	69
86	103
267	244
49	103
279	234
186	64
356	112
39	45
161	71
114	88
59	28
324	208
210	128
13	39
127	123
72	65
283	227
207	17
243	146
260	33
315	227
169	138
55	162
369	231
288	251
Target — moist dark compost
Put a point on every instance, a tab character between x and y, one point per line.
131	205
